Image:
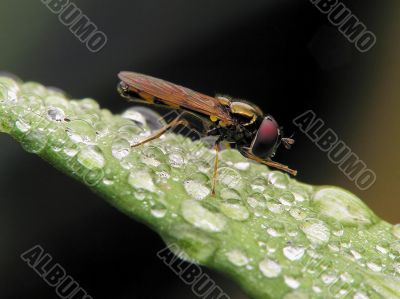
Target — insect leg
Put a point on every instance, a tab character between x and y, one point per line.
269	163
157	134
214	178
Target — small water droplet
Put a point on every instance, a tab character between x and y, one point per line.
242	166
375	266
360	295
141	180
293	252
194	213
134	116
158	210
291	282
329	277
230	178
22	126
34	142
176	160
234	210
298	214
270	268
316	231
286	199
91	157
278	179
196	189
80	131
120	148
152	156
55	114
237	257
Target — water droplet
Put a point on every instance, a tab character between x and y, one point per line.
278	179
316	231
356	254
91	157
291	282
258	184
152	156
141	180
230	178
134	116
120	148
381	249
22	126
80	131
360	295
276	229
227	193
200	217
237	257
329	277
396	230
196	189
286	199
242	165
375	265
234	210
298	214
158	210
34	142
343	206
176	159
270	268
55	114
275	207
293	252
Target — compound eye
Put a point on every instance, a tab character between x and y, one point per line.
267	138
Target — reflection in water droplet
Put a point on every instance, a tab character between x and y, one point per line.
120	148
91	157
202	218
242	165
237	257
360	295
270	268
55	114
316	231
196	189
176	160
286	199
135	116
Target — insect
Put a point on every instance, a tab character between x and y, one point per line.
241	124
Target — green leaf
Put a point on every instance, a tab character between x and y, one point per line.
275	236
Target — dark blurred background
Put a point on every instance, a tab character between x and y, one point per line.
281	54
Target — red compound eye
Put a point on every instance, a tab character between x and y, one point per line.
267	138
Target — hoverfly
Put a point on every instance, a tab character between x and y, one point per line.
241	124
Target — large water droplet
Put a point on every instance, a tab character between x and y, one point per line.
316	231
343	206
91	157
22	126
237	257
202	218
270	268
